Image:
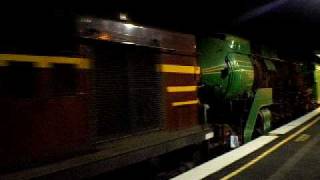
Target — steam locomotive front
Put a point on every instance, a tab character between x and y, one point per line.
226	66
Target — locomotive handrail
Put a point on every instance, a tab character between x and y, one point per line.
265	57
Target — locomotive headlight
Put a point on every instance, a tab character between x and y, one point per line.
317	53
123	17
129	26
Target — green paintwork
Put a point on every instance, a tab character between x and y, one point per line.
262	98
316	87
226	65
266	118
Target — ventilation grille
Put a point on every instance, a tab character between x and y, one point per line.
127	91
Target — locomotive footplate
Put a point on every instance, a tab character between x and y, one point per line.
113	155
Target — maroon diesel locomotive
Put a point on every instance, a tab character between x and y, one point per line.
129	95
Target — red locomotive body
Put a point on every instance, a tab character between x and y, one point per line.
41	98
133	91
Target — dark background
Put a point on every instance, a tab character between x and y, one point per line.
290	24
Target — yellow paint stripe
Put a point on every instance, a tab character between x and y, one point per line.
168	68
263	155
212	70
249	70
213	67
302	137
247	62
205	73
45	61
242	66
181	88
183	103
218	72
220	69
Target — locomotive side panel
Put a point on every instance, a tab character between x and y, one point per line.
127	95
180	78
153	84
41	118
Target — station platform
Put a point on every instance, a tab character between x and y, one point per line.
289	152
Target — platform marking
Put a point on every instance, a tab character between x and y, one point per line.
293	124
224	160
302	137
275	147
285	168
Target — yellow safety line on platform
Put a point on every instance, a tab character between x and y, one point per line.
181	88
182	103
169	68
302	137
44	61
263	155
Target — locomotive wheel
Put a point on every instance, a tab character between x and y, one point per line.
260	126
